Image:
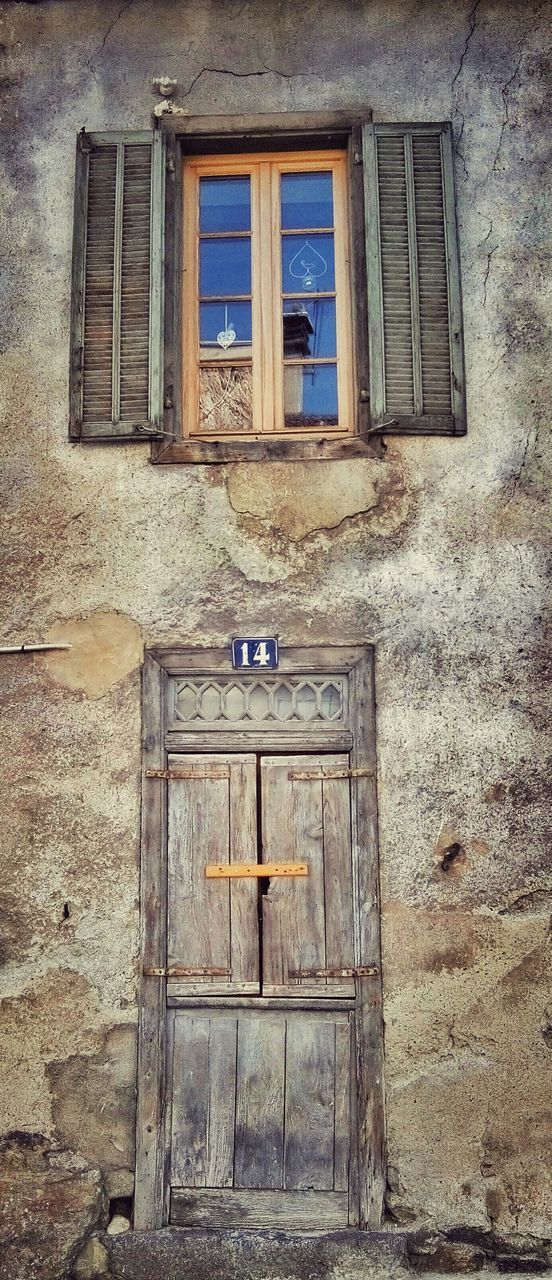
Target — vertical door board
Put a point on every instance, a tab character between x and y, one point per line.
310	1105
258	1156
203	1100
369	1037
149	1205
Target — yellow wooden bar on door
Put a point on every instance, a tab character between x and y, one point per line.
231	870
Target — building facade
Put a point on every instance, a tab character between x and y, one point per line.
394	543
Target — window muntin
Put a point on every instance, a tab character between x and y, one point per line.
266	300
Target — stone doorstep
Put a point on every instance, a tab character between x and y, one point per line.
176	1253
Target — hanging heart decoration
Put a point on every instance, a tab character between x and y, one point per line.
307	266
226	337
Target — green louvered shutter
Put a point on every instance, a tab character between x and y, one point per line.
414	300
116	308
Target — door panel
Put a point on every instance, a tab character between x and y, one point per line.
307	922
287	1135
212	924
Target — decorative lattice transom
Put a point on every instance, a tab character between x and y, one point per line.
276	700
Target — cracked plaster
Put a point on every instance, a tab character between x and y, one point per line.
434	552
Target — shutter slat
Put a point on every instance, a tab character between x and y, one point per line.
117	300
414	309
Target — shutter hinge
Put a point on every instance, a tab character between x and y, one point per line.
170	165
84	142
357	157
364	396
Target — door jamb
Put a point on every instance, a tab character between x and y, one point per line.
151	1189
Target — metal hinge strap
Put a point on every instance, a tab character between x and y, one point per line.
176	775
325	775
359	971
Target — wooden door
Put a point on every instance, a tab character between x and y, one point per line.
262	1069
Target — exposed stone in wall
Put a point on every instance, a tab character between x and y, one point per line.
50	1199
93	1099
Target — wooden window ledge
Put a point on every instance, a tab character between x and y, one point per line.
321	449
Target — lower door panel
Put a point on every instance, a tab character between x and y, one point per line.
261	1117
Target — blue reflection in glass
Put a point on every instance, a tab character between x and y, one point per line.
309	327
224	204
219	320
224	267
307	200
310	395
308	264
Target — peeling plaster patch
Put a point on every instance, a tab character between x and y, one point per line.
106	646
300	498
93	1099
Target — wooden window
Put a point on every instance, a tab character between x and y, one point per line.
160	287
266	305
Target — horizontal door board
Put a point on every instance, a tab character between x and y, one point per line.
310	738
319	1004
213	988
299	1210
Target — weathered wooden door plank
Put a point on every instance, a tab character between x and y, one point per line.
259	1140
310	1104
294	1210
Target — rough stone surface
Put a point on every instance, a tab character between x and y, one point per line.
49	1200
433	552
92	1261
258	1255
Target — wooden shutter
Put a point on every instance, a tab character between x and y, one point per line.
212	925
116	307
414	302
308	922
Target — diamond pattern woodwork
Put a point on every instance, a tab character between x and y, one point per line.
246	700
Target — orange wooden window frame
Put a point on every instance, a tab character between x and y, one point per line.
264	170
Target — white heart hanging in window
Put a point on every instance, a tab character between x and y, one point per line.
226	337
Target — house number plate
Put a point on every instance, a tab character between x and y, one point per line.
255	653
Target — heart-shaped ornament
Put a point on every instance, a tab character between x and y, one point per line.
226	337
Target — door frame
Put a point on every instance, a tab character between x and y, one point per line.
159	738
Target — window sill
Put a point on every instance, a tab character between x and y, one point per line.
319	450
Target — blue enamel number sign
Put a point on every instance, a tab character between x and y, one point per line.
255	653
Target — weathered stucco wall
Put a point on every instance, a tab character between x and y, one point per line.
433	552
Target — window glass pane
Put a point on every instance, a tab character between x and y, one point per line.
224	204
307	200
223	325
309	327
310	395
308	264
225	399
224	267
